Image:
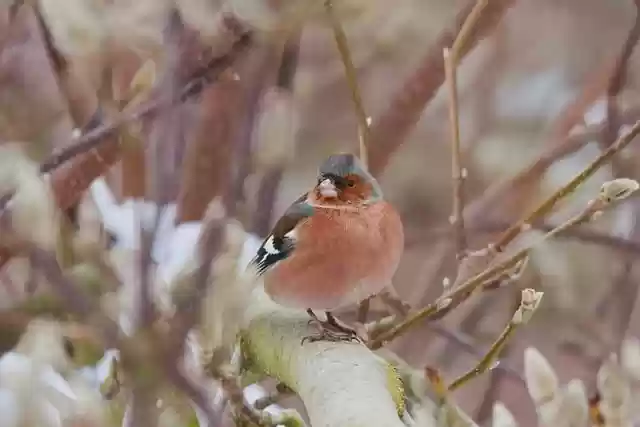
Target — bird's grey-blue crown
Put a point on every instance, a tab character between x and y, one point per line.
345	164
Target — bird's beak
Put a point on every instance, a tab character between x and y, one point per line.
328	189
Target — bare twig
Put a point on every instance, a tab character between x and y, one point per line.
528	304
584	235
82	101
361	115
462	40
559	145
546	206
451	58
73	168
611	192
465	343
352	82
458	173
93	138
389	131
618	79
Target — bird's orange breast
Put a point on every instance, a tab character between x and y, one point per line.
341	257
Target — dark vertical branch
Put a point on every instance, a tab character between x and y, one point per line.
163	137
208	160
257	74
73	168
270	183
164	128
289	63
82	101
263	215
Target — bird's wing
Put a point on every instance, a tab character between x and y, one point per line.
281	241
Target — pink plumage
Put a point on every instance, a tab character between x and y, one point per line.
336	245
342	257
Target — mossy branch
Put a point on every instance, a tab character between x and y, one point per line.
339	383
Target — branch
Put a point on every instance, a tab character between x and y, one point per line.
389	131
275	135
352	81
618	80
559	145
611	193
339	383
208	156
72	169
458	176
547	206
529	303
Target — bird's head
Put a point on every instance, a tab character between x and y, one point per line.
343	179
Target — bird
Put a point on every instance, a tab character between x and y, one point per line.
336	245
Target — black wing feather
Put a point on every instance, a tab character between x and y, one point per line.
277	246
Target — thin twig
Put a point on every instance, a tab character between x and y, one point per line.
486	363
547	205
464	342
361	115
470	24
559	145
74	167
389	131
458	173
490	227
450	59
352	81
91	139
529	303
618	79
456	296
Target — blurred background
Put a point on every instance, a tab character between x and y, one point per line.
546	87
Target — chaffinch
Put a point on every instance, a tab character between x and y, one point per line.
336	245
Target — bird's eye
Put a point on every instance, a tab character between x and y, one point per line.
350	183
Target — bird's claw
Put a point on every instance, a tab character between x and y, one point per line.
331	332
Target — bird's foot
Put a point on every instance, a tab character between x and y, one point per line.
331	330
327	334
